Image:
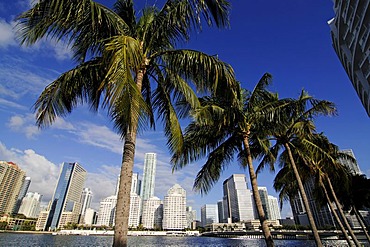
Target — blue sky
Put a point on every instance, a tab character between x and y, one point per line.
289	39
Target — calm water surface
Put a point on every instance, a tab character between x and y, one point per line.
20	240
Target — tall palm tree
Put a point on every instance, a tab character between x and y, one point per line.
296	123
129	65
313	165
325	164
221	129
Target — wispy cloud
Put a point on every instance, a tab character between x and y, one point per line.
7	36
19	78
11	104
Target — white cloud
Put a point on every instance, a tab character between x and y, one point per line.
43	172
7	36
23	124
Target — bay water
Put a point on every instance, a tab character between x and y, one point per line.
25	240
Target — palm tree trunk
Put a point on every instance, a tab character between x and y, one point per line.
124	191
360	220
339	206
304	197
336	215
257	199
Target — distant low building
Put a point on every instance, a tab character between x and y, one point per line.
255	224
225	227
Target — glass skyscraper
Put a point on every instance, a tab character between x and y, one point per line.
65	205
148	183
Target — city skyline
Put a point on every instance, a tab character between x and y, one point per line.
291	40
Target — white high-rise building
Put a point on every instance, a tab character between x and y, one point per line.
86	198
152	213
135	209
237	200
209	214
107	211
11	180
274	208
148	183
174	209
30	206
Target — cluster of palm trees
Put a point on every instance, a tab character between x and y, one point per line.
129	65
258	125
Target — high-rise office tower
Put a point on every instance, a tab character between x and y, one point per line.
352	166
65	204
350	32
237	200
22	193
86	198
274	208
30	206
148	183
11	180
174	209
152	213
265	201
209	214
107	211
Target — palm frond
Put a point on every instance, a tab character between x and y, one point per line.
84	24
216	162
81	84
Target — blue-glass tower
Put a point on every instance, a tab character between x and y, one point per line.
66	198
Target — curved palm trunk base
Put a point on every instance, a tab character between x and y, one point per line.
257	199
304	197
360	220
337	219
339	206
